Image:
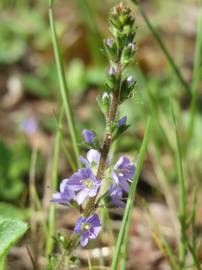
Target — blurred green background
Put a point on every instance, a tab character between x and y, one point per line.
30	99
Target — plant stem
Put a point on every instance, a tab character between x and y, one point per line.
163	47
61	263
94	36
182	197
128	210
108	136
196	73
105	148
54	182
161	241
63	85
3	263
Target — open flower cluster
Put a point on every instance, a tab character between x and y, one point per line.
100	178
83	184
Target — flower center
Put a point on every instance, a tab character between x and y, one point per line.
88	183
86	227
120	174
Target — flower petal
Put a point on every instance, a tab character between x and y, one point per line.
88	136
77	228
84	161
81	196
122	121
93	156
84	239
124	184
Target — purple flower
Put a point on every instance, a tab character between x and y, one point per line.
122	121
88	136
85	183
29	126
65	194
92	159
116	195
88	228
109	42
123	172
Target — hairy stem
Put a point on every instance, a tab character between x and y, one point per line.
105	148
108	136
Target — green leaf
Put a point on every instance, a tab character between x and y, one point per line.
8	210
36	86
10	232
76	76
5	159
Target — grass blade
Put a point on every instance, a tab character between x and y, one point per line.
127	213
125	247
54	183
160	240
182	196
94	36
163	47
197	72
3	263
63	84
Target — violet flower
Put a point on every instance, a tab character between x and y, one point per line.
116	196
92	159
88	136
122	121
123	172
65	195
109	42
85	183
88	228
29	126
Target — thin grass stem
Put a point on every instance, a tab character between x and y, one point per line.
3	263
196	73
182	196
160	240
163	47
194	256
54	184
128	210
63	85
90	267
67	153
193	219
94	36
125	247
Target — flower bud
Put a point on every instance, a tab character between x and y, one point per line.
122	121
109	42
111	49
127	88
128	53
113	78
104	102
130	81
88	136
112	71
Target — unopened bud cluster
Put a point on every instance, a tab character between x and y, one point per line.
120	50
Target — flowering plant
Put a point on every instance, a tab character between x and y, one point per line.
100	179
